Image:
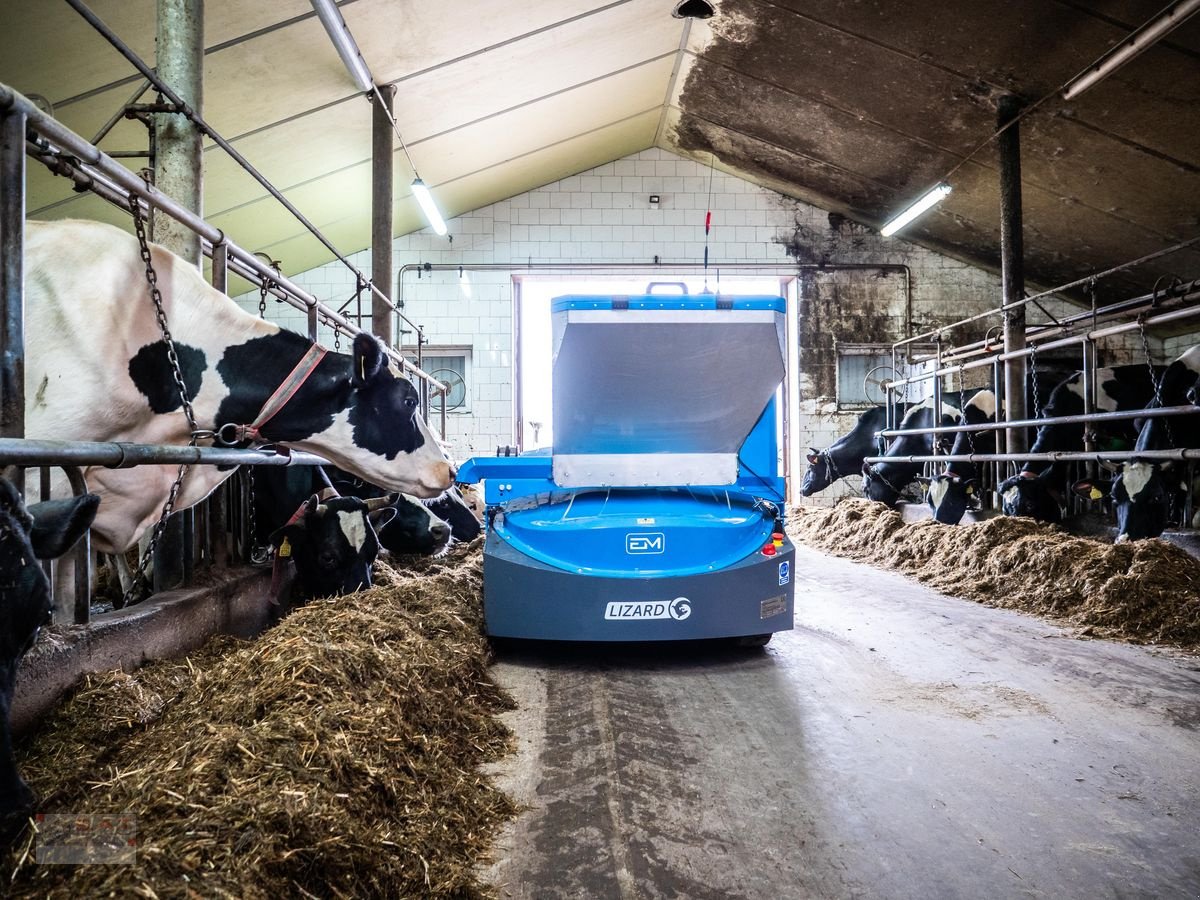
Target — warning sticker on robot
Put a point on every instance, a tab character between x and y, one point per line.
679	608
785	572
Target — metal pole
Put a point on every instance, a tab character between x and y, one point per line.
381	211
218	519
1012	272
1115	456
179	172
122	455
1185	409
12	274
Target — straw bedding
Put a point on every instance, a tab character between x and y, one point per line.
1143	591
336	755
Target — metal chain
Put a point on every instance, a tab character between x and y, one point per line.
177	373
262	298
1154	379
1033	380
161	315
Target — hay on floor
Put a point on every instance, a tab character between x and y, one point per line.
336	756
1141	591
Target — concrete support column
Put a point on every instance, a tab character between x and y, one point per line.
381	210
1012	269
179	172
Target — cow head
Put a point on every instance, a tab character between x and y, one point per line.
357	410
1031	495
414	529
877	485
453	509
817	476
43	531
333	543
1142	497
950	496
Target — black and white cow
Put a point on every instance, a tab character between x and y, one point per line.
845	455
1145	493
334	534
886	480
43	531
955	490
97	370
332	542
421	527
1038	490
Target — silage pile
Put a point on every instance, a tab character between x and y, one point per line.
336	755
1142	591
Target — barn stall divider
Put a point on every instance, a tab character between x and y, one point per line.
1177	302
218	529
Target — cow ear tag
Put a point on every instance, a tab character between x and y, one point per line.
285	549
970	490
1095	493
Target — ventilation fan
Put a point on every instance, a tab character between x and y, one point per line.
456	395
875	380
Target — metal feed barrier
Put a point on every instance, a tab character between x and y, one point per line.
218	529
1179	302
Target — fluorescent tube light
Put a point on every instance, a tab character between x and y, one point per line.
339	33
421	192
927	200
1140	40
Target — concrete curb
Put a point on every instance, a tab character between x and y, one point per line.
166	625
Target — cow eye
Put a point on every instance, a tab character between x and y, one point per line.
410	403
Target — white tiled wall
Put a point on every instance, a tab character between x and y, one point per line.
604	216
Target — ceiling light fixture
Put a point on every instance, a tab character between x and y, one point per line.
1150	33
930	198
421	192
343	41
347	48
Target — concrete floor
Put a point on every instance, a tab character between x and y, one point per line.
897	744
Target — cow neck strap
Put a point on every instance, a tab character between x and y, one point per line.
235	434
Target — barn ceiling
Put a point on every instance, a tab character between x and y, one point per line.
855	107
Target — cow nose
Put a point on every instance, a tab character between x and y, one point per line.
440	532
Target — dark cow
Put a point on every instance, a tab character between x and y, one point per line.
1038	490
954	491
87	278
1145	493
333	543
424	527
886	480
845	455
43	531
334	552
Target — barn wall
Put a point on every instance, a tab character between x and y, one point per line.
603	215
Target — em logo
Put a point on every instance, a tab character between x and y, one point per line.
653	542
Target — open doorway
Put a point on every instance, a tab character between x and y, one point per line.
534	364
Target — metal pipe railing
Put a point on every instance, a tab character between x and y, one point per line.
1161	319
117	180
1081	419
1176	455
120	454
1172	296
929	335
185	110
